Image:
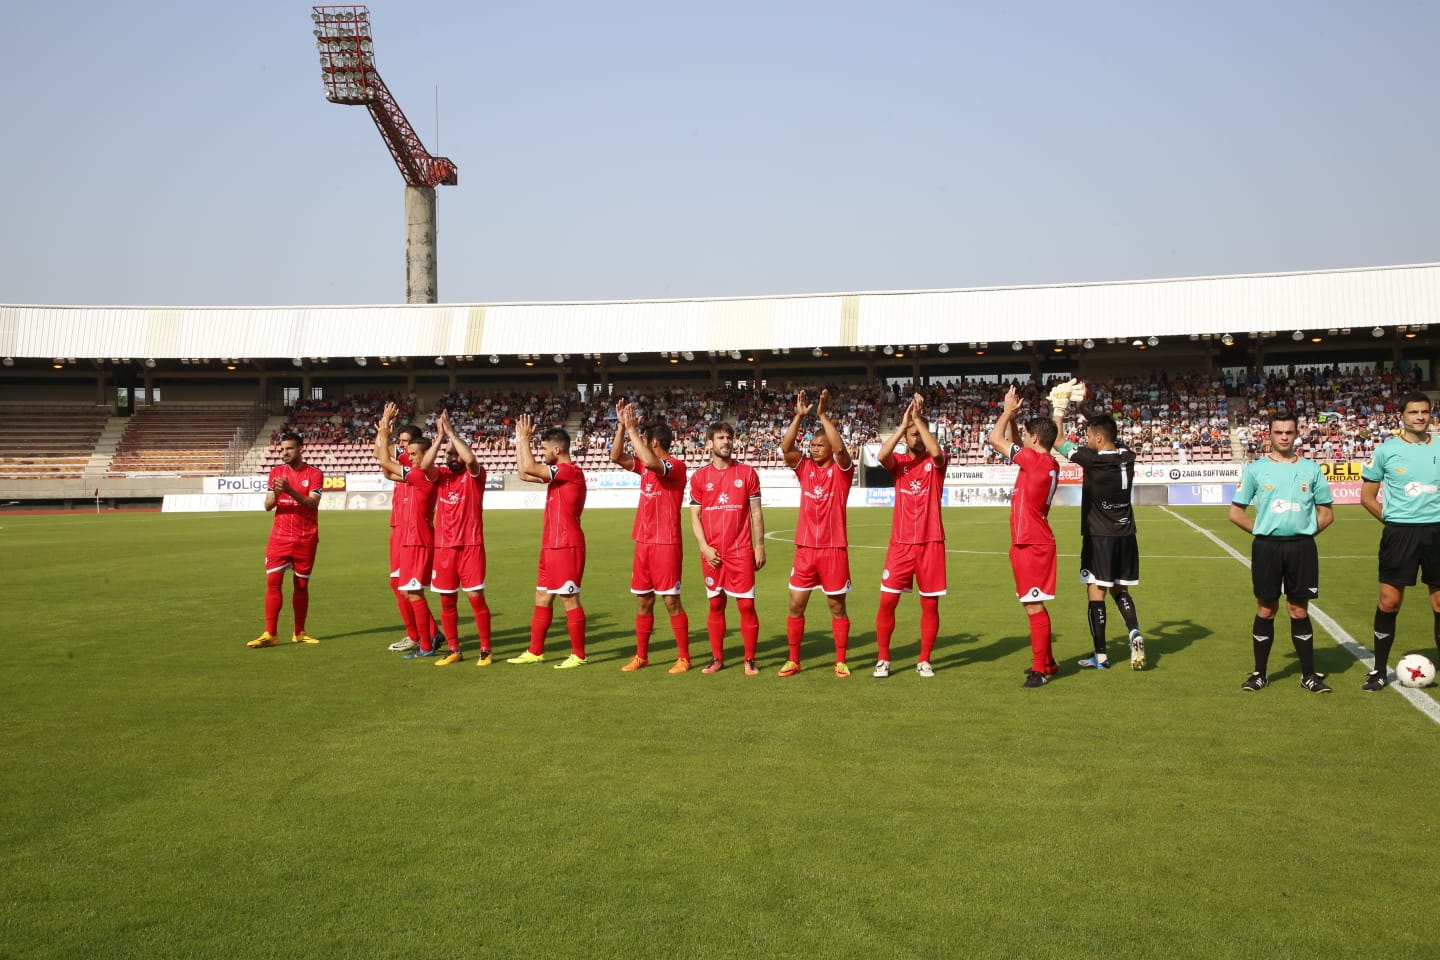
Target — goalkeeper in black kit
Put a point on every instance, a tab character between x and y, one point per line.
1109	556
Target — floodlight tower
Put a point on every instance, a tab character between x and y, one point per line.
347	67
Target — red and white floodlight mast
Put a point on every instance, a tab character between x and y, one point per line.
347	67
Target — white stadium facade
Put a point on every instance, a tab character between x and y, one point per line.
122	358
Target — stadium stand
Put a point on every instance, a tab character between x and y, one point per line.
56	443
185	439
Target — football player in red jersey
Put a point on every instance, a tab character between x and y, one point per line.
459	540
562	544
294	495
822	558
415	559
916	555
659	556
729	525
1032	542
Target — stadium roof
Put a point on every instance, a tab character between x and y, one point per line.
1407	295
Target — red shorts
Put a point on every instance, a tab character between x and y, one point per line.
297	556
395	547
656	569
735	576
561	570
1034	566
459	568
922	564
413	568
821	568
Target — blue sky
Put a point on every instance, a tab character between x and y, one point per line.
183	153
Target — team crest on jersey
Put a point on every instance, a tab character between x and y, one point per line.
305	483
738	484
1304	488
928	466
709	581
1399	469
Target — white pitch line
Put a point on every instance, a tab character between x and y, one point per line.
1420	701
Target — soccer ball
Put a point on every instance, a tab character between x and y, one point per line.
1414	670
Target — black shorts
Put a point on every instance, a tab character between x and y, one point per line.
1107	561
1408	548
1288	565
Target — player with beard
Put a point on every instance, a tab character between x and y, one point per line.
415	559
659	557
562	543
294	495
916	555
459	540
1032	542
729	525
822	557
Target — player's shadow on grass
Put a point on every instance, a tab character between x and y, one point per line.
1328	660
957	650
1165	638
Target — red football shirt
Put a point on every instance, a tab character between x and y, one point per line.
919	483
723	497
657	518
564	500
824	493
417	526
399	493
1030	501
459	508
294	522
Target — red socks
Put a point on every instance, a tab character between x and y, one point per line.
1042	655
407	612
424	621
300	602
929	626
840	629
715	627
539	625
644	626
273	600
680	626
481	608
794	633
450	619
749	625
575	626
885	623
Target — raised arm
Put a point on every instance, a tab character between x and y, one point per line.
462	449
388	464
886	456
837	444
524	456
927	439
617	446
788	450
638	443
432	452
1000	435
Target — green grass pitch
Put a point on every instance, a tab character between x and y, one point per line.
167	792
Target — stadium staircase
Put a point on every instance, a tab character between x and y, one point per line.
254	459
105	447
1239	414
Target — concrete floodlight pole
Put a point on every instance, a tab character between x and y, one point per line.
347	69
421	280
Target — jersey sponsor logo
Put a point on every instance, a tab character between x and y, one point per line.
1417	489
723	499
1285	506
